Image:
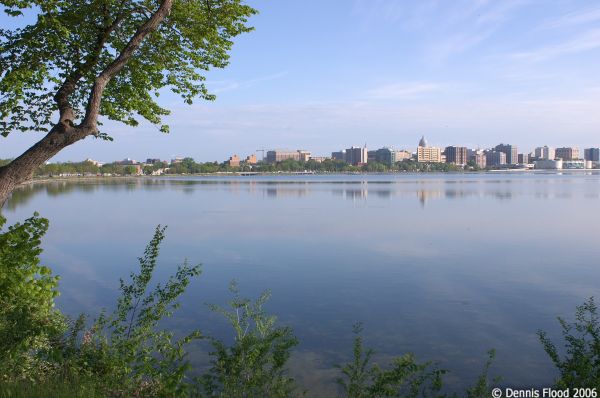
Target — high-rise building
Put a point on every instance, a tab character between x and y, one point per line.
428	154
544	153
567	153
510	151
495	158
251	159
339	155
356	155
479	158
523	158
456	155
592	154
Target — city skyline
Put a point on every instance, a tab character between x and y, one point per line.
465	73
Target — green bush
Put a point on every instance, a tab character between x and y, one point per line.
255	365
28	320
579	367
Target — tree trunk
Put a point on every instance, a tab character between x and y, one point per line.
22	168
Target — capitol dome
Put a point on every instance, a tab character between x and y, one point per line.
423	142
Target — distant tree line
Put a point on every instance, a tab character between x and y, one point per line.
190	166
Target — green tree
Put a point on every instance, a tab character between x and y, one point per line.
87	60
580	365
28	320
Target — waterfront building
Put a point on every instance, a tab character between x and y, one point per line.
176	160
251	159
339	155
523	158
567	153
401	155
495	158
592	154
574	164
456	155
279	155
510	151
319	159
544	152
548	164
356	155
428	154
234	161
153	161
479	158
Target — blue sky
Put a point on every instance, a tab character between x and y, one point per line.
325	75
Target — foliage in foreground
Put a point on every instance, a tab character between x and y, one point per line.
580	365
126	353
28	320
255	365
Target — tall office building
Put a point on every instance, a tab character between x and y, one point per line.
523	158
357	155
567	153
495	158
339	155
544	153
479	158
510	151
456	155
428	154
592	154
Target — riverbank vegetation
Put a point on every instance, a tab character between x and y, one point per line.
128	353
189	166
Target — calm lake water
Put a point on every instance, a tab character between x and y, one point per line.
445	266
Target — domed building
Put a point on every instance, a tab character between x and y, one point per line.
428	154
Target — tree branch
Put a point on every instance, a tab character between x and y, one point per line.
93	106
66	111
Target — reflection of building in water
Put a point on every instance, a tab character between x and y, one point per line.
279	192
357	193
425	195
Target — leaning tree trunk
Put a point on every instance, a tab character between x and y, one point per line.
22	168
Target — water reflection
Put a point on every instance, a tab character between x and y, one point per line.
445	266
425	190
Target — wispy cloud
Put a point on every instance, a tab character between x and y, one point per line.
580	17
403	90
587	41
471	25
230	85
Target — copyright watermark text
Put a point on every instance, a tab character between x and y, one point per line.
544	393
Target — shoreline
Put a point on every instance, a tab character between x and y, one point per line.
38	180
